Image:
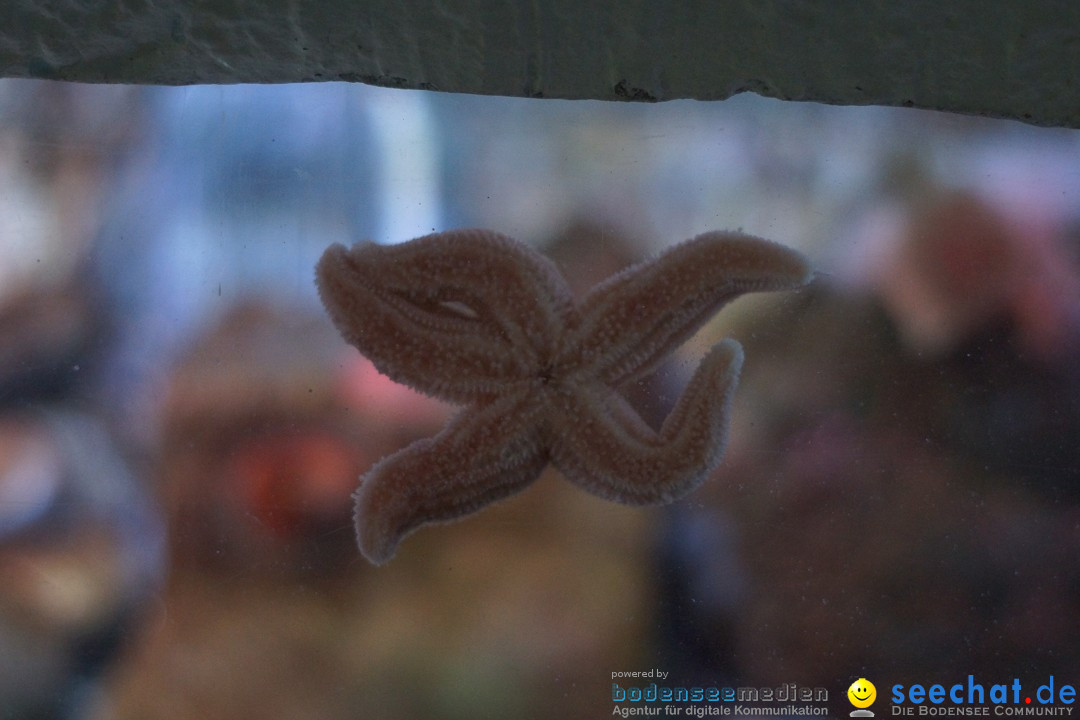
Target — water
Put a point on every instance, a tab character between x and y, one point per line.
181	427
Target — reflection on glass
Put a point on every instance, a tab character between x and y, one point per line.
181	427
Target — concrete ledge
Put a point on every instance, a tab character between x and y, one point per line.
999	58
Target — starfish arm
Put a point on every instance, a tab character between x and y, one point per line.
456	315
604	447
484	454
631	321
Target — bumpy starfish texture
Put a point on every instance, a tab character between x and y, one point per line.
478	319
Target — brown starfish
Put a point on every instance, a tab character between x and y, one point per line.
479	319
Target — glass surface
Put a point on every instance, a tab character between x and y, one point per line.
181	427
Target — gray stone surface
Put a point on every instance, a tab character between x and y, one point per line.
999	57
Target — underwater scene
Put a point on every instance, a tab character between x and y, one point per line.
334	401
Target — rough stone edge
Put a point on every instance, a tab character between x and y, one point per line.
1000	59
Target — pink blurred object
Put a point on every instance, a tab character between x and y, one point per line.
962	265
382	399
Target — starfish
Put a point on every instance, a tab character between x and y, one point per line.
481	320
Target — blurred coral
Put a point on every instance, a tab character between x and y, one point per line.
80	557
962	266
265	434
81	544
896	513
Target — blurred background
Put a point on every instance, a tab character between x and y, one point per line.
181	428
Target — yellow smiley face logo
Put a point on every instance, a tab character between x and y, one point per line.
862	693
